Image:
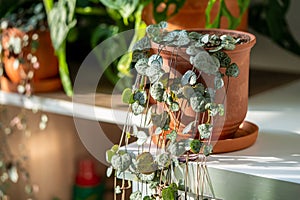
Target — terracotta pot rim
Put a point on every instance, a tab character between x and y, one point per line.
251	39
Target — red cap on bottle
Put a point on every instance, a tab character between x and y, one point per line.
86	175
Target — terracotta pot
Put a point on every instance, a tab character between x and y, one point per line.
236	99
192	15
47	72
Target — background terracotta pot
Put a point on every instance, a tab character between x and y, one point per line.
46	75
192	15
236	99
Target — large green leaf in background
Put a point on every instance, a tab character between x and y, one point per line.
124	7
61	19
269	18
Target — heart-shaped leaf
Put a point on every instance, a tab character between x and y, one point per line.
137	108
189	77
109	171
140	96
206	63
207	150
142	45
232	70
223	57
196	146
198	102
188	127
145	163
172	136
205	130
192	50
121	162
163	160
177	148
158	131
155	59
127	96
142	138
219	83
137	195
174	107
141	66
157	91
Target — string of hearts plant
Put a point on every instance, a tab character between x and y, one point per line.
22	47
159	95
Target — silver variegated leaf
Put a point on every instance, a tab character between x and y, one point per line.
158	131
174	107
221	109
199	87
135	130
223	57
153	30
142	44
198	102
228	46
163	160
163	24
206	63
232	70
181	38
141	66
109	171
176	148
205	130
172	136
219	83
155	59
121	162
189	77
188	127
140	96
205	38
157	91
192	50
195	145
141	138
160	120
188	91
137	108
227	38
137	195
207	150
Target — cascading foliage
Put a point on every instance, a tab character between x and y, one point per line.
161	167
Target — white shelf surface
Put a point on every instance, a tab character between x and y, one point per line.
66	107
275	155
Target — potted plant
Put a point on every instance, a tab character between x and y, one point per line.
209	13
27	55
230	14
181	71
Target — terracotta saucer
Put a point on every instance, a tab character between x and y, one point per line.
45	85
243	138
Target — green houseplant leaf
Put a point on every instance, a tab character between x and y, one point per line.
61	19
